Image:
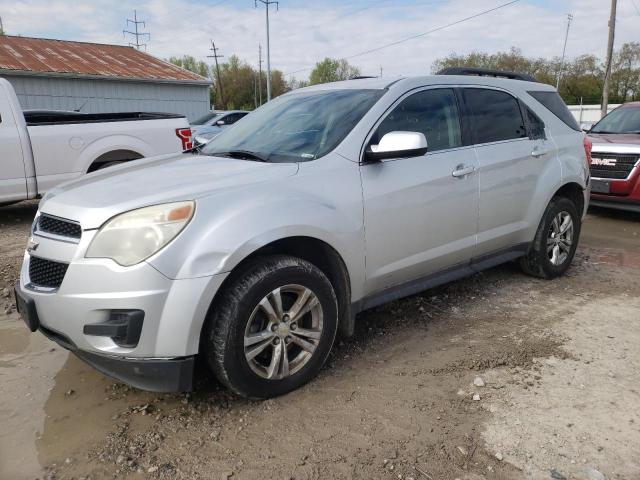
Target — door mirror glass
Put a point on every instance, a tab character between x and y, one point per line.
397	145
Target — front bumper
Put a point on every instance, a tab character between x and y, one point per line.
153	374
92	290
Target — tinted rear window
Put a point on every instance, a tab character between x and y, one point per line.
555	104
495	115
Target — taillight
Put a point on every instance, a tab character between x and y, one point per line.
184	134
588	144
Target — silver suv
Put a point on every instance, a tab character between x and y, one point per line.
257	250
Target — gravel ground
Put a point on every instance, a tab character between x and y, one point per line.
498	376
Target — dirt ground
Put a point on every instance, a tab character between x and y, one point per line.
499	376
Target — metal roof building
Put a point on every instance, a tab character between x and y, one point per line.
96	78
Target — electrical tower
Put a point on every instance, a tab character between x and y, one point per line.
216	56
266	4
564	49
136	33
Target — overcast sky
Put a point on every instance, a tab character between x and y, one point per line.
303	32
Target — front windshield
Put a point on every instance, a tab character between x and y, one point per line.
621	120
296	127
205	118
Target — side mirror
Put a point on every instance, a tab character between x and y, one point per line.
585	127
397	145
220	123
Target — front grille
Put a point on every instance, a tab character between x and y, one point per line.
59	226
612	165
46	273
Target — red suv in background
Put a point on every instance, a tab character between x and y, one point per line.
615	166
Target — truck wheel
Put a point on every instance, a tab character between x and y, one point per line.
272	328
555	242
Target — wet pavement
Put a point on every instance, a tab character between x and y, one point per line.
55	410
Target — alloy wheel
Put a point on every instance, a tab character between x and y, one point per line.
283	332
560	238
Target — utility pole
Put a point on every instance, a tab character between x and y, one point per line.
607	73
1	27
380	71
564	49
136	33
216	56
260	72
267	3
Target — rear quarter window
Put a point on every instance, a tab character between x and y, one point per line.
552	102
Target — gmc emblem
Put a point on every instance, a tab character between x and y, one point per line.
607	162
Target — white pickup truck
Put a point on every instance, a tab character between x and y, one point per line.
40	149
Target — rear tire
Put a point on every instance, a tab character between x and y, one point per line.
272	328
556	240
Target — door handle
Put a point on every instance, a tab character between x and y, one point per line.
463	171
538	152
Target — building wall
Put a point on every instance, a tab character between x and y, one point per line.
108	96
588	113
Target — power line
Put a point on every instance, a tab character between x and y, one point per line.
413	37
333	20
136	33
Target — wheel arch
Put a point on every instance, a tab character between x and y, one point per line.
316	251
574	192
118	155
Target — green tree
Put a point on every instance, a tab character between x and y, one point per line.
332	70
190	63
513	61
625	74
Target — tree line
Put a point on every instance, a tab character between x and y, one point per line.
582	77
243	86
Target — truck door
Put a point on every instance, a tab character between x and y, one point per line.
13	184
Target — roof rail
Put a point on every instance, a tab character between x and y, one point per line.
486	72
362	77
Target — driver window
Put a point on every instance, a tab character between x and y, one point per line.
431	112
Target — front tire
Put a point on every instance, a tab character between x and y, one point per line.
556	240
272	328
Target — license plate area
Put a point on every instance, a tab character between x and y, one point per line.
600	186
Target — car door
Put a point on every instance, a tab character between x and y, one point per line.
13	184
510	161
419	218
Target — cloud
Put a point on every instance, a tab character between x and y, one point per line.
303	32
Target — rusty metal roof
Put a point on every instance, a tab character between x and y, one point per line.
42	56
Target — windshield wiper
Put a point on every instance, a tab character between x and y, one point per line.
242	154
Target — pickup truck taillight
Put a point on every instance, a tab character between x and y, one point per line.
588	144
184	134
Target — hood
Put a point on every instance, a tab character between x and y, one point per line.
96	197
615	138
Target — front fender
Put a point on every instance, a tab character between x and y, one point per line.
219	238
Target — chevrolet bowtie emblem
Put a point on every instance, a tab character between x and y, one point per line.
32	245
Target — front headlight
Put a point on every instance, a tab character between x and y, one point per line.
134	236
